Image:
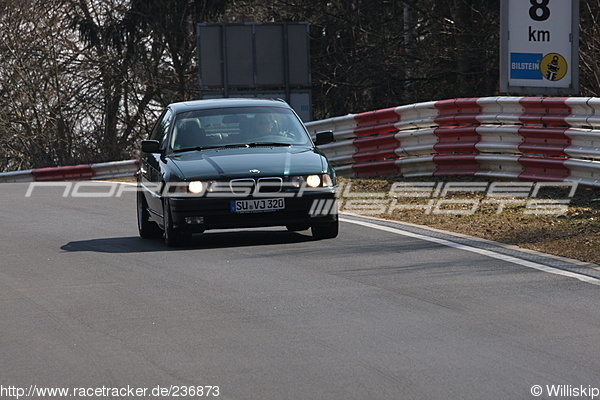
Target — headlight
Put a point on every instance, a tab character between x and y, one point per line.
313	181
196	187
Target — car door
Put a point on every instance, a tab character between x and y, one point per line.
151	170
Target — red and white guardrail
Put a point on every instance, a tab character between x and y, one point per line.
531	138
107	170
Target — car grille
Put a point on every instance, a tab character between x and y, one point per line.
269	185
242	187
248	186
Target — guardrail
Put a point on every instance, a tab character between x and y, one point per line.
107	170
530	138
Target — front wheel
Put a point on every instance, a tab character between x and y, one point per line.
173	237
327	230
146	228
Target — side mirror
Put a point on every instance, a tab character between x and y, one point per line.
151	146
324	138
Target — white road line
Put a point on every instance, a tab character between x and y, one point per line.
488	253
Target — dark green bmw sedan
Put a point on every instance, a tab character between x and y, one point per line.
233	163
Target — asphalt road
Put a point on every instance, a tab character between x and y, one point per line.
267	314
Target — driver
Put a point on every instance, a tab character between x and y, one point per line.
263	125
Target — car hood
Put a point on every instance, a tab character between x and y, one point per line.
237	162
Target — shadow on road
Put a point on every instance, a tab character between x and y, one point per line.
213	240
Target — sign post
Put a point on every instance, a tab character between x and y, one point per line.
256	60
539	49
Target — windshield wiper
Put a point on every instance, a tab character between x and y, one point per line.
233	146
199	148
274	144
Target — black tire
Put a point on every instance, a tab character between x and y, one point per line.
297	227
328	230
147	229
173	237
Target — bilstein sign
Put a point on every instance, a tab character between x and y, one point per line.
539	46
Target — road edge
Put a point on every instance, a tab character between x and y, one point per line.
585	271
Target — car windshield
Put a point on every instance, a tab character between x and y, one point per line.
233	127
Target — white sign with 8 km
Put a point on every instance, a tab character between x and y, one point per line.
539	46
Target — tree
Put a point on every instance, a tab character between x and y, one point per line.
357	49
81	80
172	32
144	52
370	54
40	86
119	92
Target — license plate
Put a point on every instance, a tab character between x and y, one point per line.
257	205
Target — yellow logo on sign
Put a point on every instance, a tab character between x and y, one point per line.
553	67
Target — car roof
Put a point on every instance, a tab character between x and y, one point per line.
225	103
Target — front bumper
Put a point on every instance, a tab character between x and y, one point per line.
215	213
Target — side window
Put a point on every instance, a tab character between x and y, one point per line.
161	129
